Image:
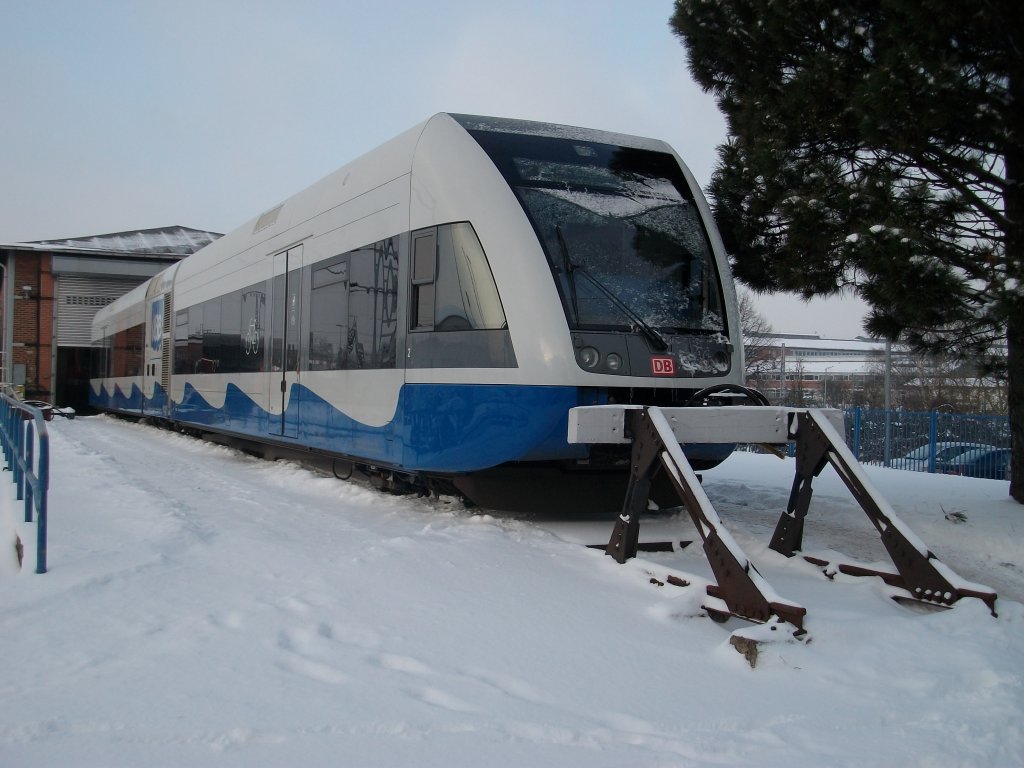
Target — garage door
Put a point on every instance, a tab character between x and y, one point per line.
79	298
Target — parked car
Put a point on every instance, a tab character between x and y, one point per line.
992	463
918	458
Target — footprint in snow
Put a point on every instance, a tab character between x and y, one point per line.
314	670
629	724
299	647
435	697
509	685
406	664
357	635
229	620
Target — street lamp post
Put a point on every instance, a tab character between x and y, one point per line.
824	387
7	333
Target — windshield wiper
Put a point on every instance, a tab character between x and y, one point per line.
639	323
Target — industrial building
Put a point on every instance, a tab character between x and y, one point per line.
52	288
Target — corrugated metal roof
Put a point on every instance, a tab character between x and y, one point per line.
165	241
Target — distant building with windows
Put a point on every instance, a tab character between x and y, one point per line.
801	368
50	291
808	370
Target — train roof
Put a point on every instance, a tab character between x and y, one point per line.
280	224
395	157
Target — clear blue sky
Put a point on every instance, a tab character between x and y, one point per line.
131	114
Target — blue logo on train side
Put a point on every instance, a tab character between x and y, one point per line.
156	323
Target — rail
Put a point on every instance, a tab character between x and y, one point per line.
22	427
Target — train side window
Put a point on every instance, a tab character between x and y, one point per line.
101	359
452	285
253	330
181	342
126	357
424	262
331	337
466	297
231	332
194	344
211	333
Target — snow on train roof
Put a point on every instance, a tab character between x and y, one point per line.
175	240
554	130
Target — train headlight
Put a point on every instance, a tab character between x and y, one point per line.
588	357
614	363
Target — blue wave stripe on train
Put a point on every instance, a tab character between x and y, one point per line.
436	428
450	428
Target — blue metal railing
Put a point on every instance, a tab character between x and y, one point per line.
913	440
22	428
925	441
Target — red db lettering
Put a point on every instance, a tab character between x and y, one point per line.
663	366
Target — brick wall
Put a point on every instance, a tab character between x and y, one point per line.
33	322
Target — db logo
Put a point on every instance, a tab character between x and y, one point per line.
663	366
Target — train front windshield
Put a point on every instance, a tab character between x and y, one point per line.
620	229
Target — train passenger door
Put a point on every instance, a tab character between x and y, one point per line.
152	352
157	370
285	340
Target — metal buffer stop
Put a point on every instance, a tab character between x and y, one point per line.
741	590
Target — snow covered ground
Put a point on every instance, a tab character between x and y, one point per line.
207	608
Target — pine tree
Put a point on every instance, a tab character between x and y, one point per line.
877	146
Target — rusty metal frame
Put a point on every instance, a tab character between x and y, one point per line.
919	571
739	584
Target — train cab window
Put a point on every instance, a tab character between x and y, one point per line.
453	288
621	227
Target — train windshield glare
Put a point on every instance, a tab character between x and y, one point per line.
620	229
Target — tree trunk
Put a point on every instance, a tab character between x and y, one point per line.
1013	201
1015	398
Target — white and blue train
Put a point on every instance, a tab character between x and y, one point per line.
431	311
